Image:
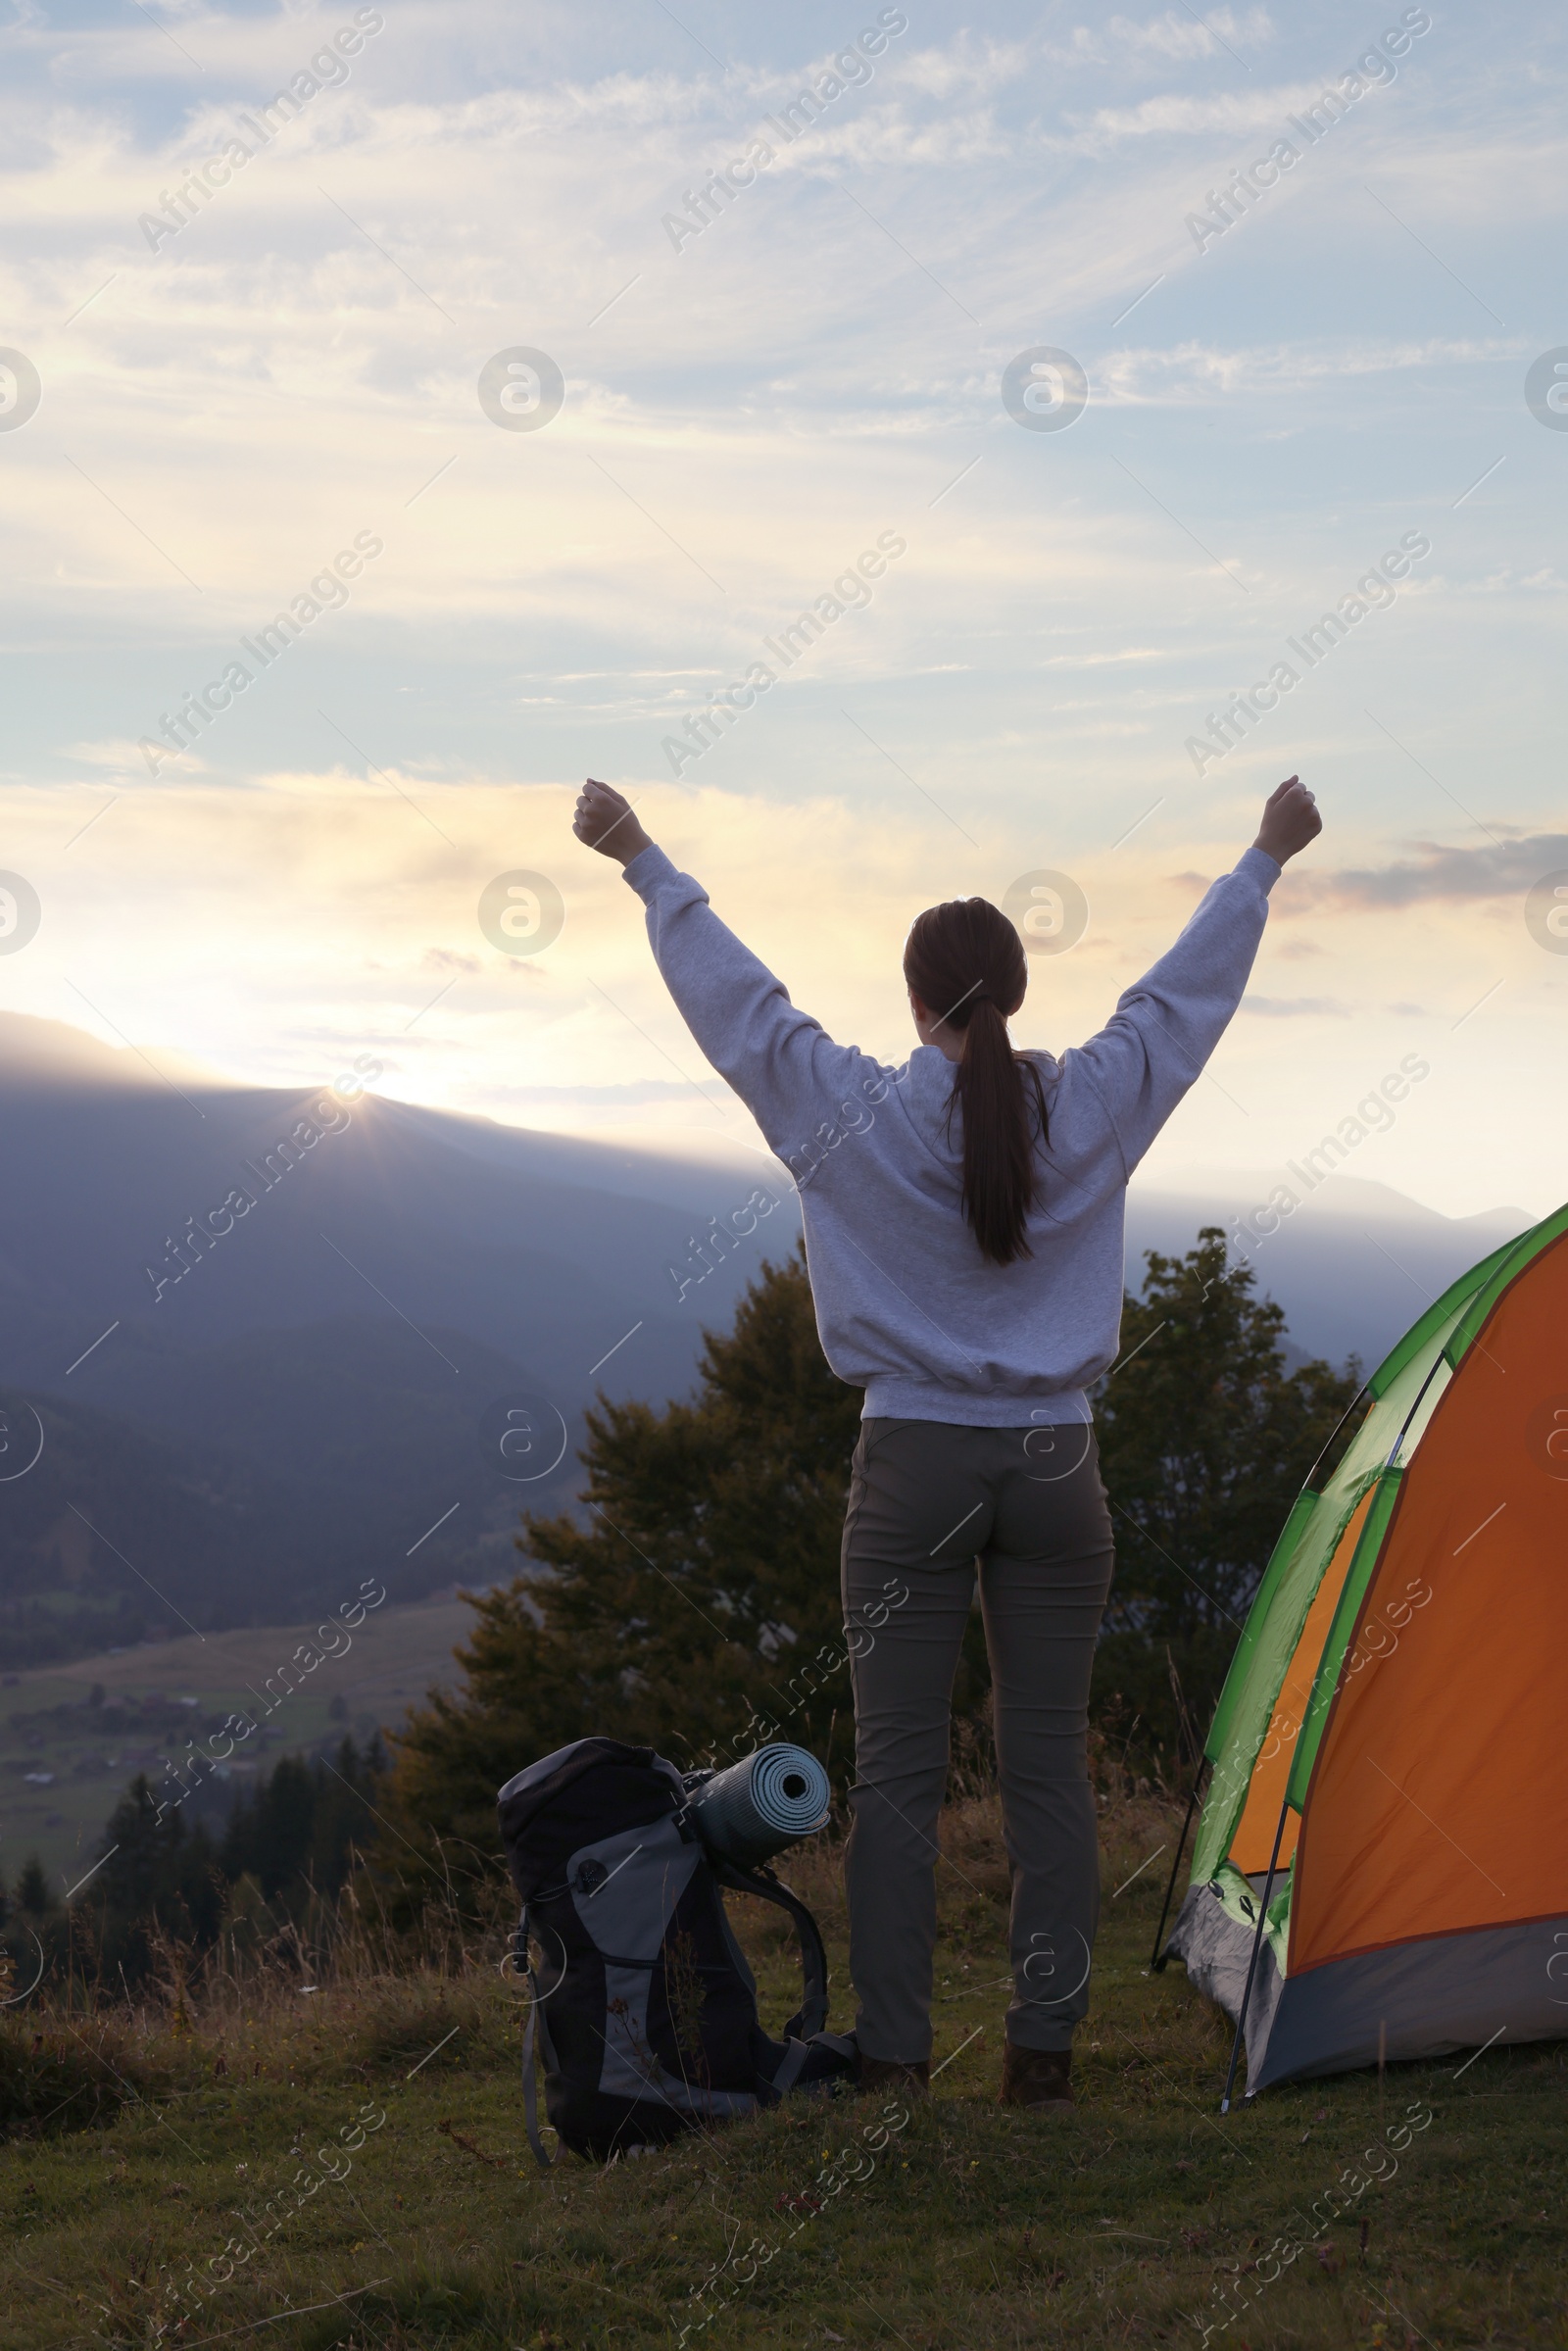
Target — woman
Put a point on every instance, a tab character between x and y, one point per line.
963	1228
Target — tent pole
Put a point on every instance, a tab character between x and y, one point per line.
1157	1959
1252	1970
1307	1487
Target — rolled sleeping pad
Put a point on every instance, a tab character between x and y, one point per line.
755	1808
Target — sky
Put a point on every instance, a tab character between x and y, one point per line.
564	444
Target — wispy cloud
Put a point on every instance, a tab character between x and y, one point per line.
1296	1008
1178	34
1490	870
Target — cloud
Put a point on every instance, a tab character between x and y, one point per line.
1291	1007
121	751
1175	36
633	1094
1206	373
1501	870
1199	115
983	67
300	362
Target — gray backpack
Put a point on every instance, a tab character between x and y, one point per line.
645	2006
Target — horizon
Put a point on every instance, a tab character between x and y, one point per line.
148	1067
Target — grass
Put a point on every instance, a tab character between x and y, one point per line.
1141	2217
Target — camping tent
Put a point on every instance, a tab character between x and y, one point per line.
1382	1860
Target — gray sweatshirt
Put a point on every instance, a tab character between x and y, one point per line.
907	1306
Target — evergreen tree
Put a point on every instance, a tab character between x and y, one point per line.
292	1838
694	1602
34	1893
295	1833
693	1605
1204	1441
157	1877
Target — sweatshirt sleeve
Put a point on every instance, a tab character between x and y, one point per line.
786	1069
1163	1032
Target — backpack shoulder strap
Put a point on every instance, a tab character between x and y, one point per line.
530	2088
530	2078
811	2014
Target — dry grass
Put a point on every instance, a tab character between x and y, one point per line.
138	2138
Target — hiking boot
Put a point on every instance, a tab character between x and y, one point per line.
1039	2079
889	2072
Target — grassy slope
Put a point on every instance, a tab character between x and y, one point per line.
397	1653
975	2227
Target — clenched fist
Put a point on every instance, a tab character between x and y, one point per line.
1290	820
604	820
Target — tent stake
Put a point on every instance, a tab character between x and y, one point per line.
1252	1968
1156	1958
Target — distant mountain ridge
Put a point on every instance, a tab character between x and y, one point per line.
262	1374
272	1338
1352	1267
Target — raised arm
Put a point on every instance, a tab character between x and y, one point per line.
786	1069
1163	1032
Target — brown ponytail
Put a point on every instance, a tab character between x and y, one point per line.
966	964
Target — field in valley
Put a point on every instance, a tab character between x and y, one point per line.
66	1760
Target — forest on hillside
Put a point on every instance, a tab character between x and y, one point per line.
690	1600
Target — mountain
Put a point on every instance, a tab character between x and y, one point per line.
1352	1267
272	1340
274	1344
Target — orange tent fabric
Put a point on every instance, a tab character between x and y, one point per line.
1439	1797
1254	1830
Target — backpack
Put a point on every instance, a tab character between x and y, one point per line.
645	2006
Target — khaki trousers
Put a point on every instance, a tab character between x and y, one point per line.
930	1501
